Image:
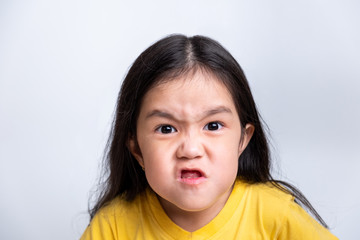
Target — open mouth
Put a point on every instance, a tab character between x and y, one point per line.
191	174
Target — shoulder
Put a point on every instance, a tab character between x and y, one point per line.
298	224
272	200
281	216
269	190
113	219
119	207
267	203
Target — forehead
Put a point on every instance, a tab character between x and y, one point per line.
188	94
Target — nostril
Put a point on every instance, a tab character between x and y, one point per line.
190	149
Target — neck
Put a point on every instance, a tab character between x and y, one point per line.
193	220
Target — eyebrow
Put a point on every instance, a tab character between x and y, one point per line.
164	114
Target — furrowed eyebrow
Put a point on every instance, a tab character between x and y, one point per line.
163	114
220	109
158	113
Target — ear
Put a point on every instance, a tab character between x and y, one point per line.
133	146
248	133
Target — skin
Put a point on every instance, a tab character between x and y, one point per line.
190	123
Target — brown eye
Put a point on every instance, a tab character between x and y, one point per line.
166	129
213	126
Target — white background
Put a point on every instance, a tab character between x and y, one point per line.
62	63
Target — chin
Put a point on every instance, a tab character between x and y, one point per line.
193	205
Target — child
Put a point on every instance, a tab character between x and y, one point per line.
188	158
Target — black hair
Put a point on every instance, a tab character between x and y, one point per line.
166	59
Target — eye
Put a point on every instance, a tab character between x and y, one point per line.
213	126
166	129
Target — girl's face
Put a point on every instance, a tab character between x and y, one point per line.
188	135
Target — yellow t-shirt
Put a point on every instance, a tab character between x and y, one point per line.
253	211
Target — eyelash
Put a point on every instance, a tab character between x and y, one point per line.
219	126
172	129
160	128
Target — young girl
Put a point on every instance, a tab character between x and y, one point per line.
188	158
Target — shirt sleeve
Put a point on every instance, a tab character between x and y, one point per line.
298	224
98	229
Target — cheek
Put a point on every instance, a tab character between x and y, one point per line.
157	159
227	154
159	169
227	160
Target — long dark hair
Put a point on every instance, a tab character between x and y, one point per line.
170	57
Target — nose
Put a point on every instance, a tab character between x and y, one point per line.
190	147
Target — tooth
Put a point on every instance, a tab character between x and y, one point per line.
190	174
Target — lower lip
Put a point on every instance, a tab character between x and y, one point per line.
192	181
